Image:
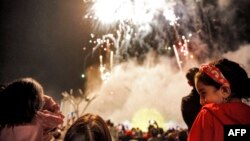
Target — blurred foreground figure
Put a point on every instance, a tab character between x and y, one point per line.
88	127
26	113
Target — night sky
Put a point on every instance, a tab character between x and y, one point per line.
43	39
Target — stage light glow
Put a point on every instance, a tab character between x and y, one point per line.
142	118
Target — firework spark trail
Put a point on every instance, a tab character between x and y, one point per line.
208	21
140	25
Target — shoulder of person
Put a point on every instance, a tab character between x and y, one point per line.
30	131
210	106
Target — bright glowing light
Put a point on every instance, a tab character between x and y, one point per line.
109	11
192	56
137	11
142	117
170	16
127	124
92	35
101	62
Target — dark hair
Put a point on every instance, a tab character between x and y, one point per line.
191	74
88	127
20	101
235	75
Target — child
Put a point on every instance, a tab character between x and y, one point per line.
222	84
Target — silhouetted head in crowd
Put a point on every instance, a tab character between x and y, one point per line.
182	135
88	127
19	101
221	81
153	132
191	74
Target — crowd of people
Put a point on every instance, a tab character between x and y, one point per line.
218	88
118	132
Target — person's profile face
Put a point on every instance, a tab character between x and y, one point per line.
208	94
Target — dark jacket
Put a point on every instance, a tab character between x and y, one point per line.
190	107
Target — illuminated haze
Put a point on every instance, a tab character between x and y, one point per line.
132	87
154	85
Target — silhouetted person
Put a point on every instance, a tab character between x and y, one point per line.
191	104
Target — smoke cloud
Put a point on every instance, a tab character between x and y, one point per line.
155	85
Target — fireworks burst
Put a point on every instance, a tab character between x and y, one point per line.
134	27
138	26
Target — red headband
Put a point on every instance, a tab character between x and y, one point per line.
215	74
